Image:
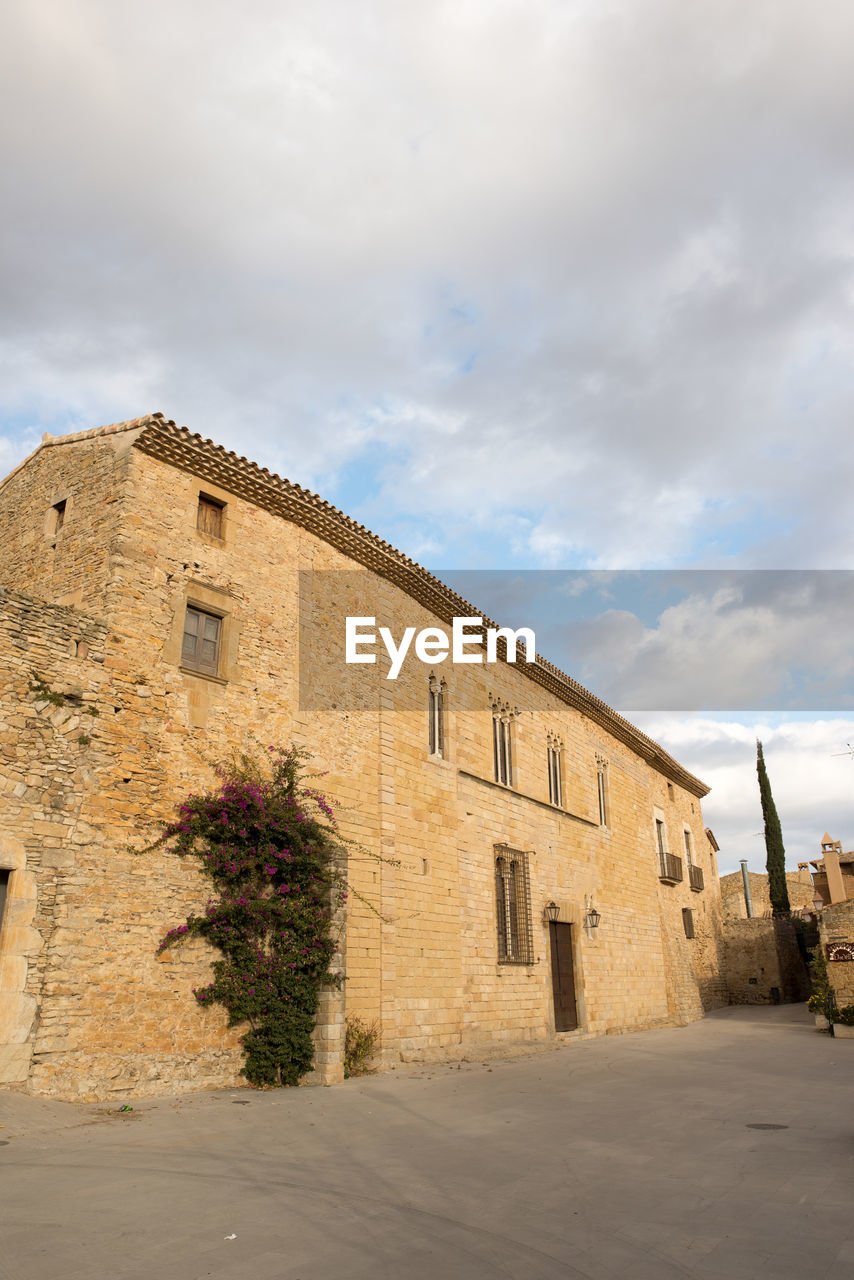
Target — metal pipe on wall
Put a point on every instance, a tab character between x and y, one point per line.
748	901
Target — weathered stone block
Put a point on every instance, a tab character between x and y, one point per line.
15	1063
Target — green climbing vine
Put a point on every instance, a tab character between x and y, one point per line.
822	999
268	844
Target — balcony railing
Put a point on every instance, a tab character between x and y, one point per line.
695	878
669	868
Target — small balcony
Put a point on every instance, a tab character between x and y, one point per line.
669	868
695	878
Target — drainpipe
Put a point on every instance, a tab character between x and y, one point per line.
748	901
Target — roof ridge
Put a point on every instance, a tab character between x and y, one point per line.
49	441
113	428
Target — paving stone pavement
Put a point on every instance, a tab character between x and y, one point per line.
628	1156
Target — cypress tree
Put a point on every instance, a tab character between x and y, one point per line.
775	861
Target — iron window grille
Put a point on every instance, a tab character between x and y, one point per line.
513	906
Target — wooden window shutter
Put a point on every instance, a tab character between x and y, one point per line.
201	644
210	517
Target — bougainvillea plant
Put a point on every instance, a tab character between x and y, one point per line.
269	845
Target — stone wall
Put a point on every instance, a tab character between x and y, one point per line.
836	924
87	1008
732	894
762	955
421	955
72	563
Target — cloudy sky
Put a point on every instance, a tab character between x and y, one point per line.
521	284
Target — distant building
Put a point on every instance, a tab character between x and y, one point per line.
733	900
763	960
833	874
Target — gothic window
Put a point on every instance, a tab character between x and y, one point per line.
436	716
513	907
502	742
554	754
602	790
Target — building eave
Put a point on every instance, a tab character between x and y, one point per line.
178	447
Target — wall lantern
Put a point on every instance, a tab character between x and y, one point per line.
818	902
552	911
593	917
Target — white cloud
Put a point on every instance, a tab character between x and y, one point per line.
567	283
746	640
812	780
589	264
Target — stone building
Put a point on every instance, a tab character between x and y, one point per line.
165	602
735	905
836	926
833	873
763	961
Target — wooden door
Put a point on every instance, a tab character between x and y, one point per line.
563	976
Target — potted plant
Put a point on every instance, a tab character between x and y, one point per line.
843	1022
821	1002
815	1004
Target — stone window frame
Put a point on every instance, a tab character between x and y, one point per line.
514	928
688	845
217	497
217	602
603	791
437	718
555	768
660	836
207	502
58	515
503	744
